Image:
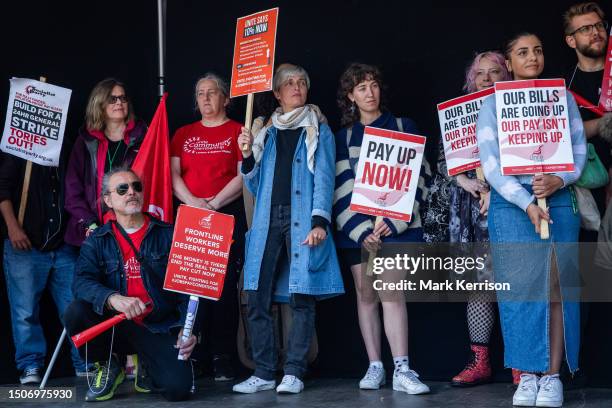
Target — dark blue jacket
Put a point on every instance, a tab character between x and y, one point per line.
100	273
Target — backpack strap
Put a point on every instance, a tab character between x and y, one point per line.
400	125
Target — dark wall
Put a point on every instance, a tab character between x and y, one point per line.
423	50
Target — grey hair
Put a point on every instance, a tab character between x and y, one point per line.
221	83
284	71
111	173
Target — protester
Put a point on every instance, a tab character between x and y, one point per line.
35	258
289	168
206	162
121	268
110	138
468	206
537	333
360	98
586	32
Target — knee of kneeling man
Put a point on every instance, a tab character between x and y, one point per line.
177	392
73	315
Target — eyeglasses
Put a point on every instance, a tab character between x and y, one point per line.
588	29
112	99
123	188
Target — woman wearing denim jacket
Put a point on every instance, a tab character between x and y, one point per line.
289	167
540	314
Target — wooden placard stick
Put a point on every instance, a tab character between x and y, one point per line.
370	269
26	183
480	174
544	231
248	120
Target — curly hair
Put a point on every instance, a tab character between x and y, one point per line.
350	78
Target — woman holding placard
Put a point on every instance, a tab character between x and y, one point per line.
468	206
205	162
540	315
289	168
360	97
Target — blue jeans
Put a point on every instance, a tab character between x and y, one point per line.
27	274
260	320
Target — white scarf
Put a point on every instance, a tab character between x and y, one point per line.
308	116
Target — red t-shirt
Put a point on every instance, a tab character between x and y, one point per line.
209	156
131	267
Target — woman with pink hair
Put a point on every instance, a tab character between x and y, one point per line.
469	202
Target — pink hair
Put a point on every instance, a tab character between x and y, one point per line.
470	73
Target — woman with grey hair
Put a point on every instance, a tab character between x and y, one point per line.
205	162
289	167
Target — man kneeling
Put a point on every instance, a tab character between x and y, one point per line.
121	268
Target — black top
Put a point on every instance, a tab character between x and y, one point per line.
286	143
44	220
588	85
115	155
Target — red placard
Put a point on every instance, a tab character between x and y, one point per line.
605	100
253	63
200	251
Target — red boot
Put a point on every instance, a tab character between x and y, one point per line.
516	376
478	369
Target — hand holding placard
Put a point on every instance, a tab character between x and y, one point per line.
534	135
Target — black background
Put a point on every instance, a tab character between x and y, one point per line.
422	49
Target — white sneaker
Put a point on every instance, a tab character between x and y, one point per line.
253	384
373	379
407	380
527	391
290	385
551	391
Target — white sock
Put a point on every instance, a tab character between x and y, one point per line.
400	361
377	364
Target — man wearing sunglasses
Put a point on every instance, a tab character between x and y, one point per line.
121	269
586	31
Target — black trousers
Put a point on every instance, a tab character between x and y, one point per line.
173	376
220	317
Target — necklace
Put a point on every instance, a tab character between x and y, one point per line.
112	159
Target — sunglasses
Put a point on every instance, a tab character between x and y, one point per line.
123	188
112	99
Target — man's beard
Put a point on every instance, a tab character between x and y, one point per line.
133	210
587	51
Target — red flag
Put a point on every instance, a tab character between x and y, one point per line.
152	164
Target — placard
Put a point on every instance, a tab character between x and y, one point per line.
35	121
458	119
533	127
253	63
387	174
605	100
200	251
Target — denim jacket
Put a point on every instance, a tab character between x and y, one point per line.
312	271
100	273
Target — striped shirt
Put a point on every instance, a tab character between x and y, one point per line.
354	227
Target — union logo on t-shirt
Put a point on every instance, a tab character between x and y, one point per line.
198	145
132	268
